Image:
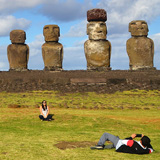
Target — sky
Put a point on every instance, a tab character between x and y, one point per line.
71	16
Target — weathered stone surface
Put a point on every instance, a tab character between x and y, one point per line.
88	80
18	55
52	55
18	52
138	28
96	15
17	36
116	80
97	30
51	33
52	51
140	48
140	51
97	53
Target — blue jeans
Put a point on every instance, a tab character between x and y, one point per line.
108	137
45	119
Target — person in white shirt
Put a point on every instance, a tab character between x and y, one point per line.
44	112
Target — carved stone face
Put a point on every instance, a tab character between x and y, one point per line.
138	28
51	33
17	36
96	30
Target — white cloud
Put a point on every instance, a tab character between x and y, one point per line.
66	10
4	64
78	30
13	5
120	13
156	39
35	53
35	46
80	43
119	57
9	23
74	58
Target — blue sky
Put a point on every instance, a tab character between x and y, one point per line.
70	15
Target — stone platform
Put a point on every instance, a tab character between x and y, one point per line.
79	81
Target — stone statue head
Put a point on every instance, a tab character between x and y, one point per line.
97	30
17	36
51	33
138	28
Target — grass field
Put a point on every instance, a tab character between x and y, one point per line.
78	118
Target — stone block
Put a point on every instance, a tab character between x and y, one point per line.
88	80
96	15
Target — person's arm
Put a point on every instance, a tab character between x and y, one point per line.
134	136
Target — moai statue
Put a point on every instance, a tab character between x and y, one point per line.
97	48
52	51
18	51
140	48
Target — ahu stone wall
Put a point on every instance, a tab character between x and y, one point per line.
79	81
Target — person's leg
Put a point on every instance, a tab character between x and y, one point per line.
41	117
49	117
108	137
109	146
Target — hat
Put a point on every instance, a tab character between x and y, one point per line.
96	14
145	141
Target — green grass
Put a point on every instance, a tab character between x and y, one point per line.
23	136
135	99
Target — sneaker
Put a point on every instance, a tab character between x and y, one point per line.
97	147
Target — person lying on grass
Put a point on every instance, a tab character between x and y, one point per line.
44	110
127	145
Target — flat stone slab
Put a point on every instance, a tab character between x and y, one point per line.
88	80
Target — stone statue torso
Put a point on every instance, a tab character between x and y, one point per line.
97	53
18	55
52	54
140	51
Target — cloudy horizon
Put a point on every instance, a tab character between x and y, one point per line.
71	17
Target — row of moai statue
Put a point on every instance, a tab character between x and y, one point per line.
97	49
52	51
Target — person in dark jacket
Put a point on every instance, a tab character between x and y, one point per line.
127	145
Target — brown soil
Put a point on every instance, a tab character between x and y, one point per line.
17	106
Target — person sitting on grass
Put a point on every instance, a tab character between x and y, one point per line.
44	110
127	145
